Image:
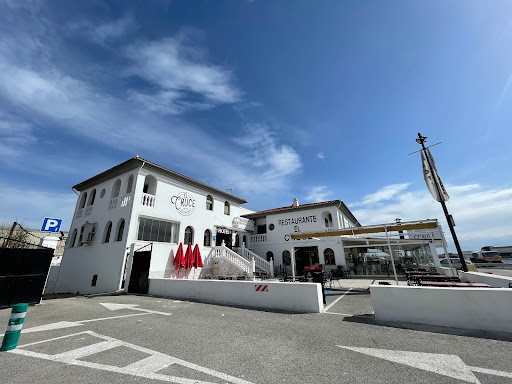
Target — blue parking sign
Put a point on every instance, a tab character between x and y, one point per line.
51	225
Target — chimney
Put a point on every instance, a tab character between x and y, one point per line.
295	203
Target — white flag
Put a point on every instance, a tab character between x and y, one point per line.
430	175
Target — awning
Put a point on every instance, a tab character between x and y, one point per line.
392	227
231	228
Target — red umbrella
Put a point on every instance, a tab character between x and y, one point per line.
198	262
179	261
189	261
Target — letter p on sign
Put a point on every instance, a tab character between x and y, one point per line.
51	225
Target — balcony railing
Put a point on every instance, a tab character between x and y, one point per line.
259	238
88	210
125	200
113	203
243	223
148	200
80	213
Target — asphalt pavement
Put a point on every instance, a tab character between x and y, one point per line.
140	339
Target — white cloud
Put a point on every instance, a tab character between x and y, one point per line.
318	194
386	193
16	136
181	74
482	217
104	33
320	156
30	206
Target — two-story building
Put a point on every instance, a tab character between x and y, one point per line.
142	207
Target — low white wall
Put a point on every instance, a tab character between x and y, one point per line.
296	297
495	281
51	280
472	308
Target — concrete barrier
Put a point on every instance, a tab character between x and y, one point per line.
471	308
295	297
495	281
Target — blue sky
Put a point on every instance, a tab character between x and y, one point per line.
317	100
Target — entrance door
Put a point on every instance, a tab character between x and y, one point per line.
139	282
223	236
305	257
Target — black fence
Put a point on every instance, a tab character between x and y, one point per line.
23	271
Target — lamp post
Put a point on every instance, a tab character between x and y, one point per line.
421	140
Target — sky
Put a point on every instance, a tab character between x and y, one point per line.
319	100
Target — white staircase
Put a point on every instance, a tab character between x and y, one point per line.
261	264
229	263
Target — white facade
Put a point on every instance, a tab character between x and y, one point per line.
271	236
129	193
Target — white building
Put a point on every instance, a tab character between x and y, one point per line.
130	220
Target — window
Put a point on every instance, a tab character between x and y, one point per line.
73	239
81	236
116	189
209	203
329	256
207	238
327	216
108	230
226	208
189	235
120	230
129	185
260	229
270	255
287	258
92	197
102	193
245	241
149	185
162	231
83	200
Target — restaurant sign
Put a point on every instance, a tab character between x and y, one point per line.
184	203
427	234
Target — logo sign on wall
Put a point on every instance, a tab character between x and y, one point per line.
427	234
184	203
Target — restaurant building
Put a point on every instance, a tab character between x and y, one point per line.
130	220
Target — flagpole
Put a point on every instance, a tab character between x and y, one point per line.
421	140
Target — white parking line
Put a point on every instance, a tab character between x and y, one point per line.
335	301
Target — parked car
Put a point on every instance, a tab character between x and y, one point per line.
457	264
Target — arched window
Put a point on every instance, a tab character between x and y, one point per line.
129	185
189	235
83	200
237	241
92	197
80	238
116	189
327	217
207	238
287	258
149	185
329	257
73	239
270	255
209	203
120	230
245	241
226	208
108	230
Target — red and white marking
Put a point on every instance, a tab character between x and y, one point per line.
260	288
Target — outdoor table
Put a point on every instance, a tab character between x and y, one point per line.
226	277
453	284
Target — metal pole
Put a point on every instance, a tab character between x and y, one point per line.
6	241
421	140
391	254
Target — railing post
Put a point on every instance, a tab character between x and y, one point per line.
271	267
253	267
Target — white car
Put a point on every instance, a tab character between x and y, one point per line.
457	264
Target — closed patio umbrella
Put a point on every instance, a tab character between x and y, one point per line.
179	260
189	261
198	261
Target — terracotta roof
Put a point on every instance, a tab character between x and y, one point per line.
340	204
136	162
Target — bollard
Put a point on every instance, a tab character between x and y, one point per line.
12	335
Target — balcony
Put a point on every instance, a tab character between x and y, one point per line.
243	223
79	213
112	203
88	210
258	238
148	200
125	200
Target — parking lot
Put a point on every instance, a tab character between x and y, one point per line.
139	339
